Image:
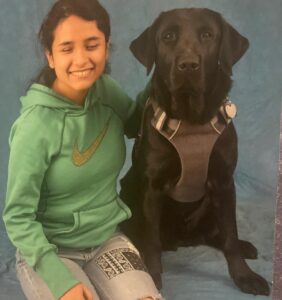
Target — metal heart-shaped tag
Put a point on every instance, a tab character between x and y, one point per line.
230	110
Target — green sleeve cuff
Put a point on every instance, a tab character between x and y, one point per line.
56	275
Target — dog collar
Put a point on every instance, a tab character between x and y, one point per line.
161	122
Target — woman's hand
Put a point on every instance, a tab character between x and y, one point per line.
78	292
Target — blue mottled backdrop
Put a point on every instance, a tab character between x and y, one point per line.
194	273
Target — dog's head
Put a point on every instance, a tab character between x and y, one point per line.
193	51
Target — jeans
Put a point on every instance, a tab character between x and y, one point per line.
112	271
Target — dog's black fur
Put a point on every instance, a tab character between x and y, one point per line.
193	51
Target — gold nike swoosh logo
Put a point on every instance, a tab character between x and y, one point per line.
80	158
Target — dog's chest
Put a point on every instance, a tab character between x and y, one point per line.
194	144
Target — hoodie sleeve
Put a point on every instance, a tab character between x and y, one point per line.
34	141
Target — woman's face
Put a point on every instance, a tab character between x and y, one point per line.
79	54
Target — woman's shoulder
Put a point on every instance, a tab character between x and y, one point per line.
107	84
111	94
40	105
37	122
40	116
108	89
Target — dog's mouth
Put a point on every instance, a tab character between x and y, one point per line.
185	84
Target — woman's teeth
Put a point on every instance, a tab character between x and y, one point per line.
82	74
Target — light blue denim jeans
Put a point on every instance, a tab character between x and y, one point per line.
112	271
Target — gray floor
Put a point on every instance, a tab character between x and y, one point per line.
197	273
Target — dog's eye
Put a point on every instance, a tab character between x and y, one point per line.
169	36
206	35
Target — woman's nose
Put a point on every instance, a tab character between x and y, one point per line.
80	57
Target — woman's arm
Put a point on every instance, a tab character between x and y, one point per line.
32	147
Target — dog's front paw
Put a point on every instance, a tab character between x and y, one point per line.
248	250
157	280
253	284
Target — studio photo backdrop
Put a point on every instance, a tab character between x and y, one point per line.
190	273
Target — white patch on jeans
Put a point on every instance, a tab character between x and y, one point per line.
118	261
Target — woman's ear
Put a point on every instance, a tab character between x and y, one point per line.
50	59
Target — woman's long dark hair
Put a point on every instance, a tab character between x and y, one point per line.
89	10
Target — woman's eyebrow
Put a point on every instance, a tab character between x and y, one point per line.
92	38
66	43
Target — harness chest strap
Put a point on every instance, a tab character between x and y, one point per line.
194	144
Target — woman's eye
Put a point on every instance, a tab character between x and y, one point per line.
92	47
169	36
67	50
206	35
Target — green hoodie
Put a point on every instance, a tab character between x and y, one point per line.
63	168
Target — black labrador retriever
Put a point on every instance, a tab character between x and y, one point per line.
180	187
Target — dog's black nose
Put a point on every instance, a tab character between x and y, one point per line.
188	65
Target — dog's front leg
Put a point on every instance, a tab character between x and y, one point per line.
224	201
151	241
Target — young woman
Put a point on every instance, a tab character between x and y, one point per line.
67	148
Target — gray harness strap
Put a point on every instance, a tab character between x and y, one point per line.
194	144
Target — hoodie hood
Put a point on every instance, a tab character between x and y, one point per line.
41	95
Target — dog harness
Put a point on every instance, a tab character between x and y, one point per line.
194	144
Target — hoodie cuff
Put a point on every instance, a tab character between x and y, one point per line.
56	275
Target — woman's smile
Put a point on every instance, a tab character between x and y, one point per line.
81	74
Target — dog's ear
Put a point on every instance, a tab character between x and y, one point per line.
144	46
233	46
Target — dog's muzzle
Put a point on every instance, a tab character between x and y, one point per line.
188	64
